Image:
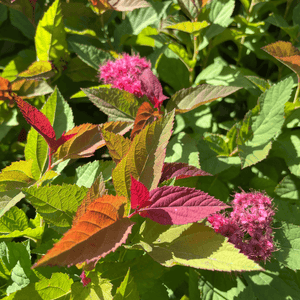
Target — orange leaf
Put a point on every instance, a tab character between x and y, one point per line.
5	90
88	139
286	53
145	115
97	232
97	190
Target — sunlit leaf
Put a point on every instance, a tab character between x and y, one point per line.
99	231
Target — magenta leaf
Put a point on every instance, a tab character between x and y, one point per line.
139	194
152	88
180	170
180	205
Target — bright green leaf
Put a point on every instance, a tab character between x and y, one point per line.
56	204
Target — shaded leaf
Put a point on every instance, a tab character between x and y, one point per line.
152	88
118	104
127	289
117	145
180	205
180	170
38	70
87	174
188	99
28	88
99	231
144	160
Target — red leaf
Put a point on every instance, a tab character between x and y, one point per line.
139	194
37	120
180	170
151	86
98	232
180	205
41	124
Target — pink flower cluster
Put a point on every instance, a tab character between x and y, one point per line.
133	74
85	280
249	225
124	73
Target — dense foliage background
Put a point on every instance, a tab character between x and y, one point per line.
188	43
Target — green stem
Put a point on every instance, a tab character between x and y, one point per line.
297	91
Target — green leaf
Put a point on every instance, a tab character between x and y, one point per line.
144	270
120	105
16	176
287	200
79	71
182	148
267	124
221	11
57	287
60	115
14	223
180	51
211	162
220	286
8	200
287	146
189	27
194	245
98	289
188	99
273	283
8	124
288	237
189	8
38	70
3	13
86	174
56	204
127	289
173	71
88	53
19	64
50	37
261	83
20	21
145	158
16	262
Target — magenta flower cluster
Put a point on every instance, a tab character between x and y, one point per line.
249	225
133	74
124	73
85	280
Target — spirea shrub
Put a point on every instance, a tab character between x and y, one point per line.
116	173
